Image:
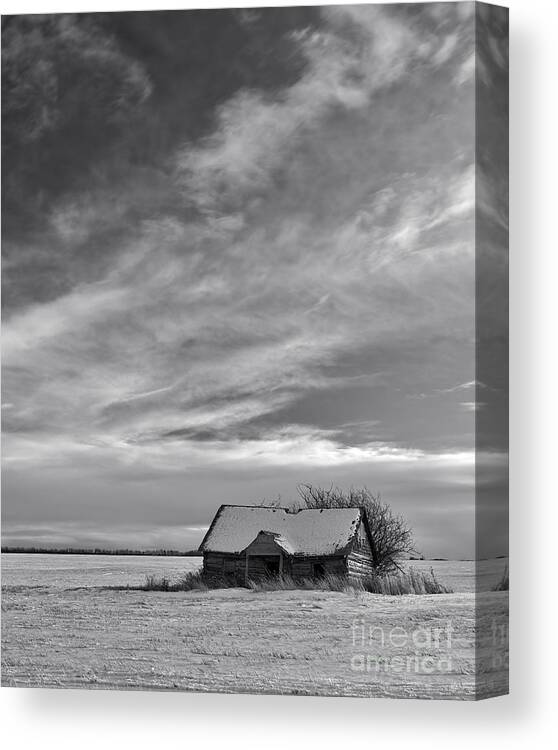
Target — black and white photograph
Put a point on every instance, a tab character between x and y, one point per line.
255	350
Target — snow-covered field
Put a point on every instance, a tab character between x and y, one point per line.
60	629
69	571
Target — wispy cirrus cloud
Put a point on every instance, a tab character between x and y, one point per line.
265	276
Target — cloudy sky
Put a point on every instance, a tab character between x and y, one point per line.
238	254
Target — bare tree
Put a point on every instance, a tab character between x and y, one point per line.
391	537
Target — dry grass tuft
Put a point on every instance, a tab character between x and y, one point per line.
410	582
288	583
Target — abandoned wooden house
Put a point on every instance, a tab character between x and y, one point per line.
252	541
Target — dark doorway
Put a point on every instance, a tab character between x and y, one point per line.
272	567
319	570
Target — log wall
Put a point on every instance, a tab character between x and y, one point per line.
359	565
304	567
217	563
356	564
360	561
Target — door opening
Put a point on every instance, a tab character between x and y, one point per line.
272	567
319	570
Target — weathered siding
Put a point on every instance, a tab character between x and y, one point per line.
264	544
303	567
217	563
360	561
359	565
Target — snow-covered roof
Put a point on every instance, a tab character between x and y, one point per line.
307	532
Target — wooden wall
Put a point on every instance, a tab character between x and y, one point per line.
359	565
358	562
303	567
217	563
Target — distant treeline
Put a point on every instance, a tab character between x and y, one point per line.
98	551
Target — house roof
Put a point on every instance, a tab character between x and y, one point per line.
325	531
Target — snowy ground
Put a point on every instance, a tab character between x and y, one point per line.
318	643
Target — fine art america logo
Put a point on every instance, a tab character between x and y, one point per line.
423	650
